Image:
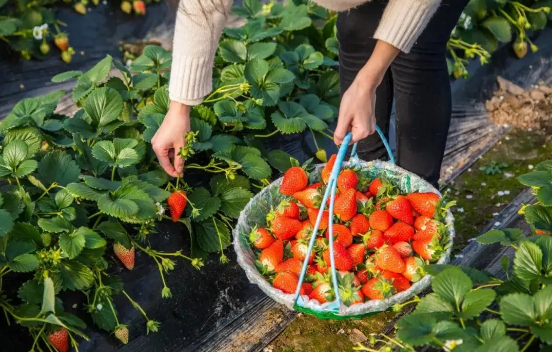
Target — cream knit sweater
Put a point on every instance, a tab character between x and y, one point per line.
199	24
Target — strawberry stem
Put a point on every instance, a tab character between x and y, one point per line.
266	135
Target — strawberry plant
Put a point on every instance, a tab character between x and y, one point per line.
469	310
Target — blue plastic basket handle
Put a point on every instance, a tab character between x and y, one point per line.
330	192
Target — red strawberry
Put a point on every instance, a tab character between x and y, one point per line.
345	206
358	298
314	185
387	258
327	170
378	288
424	203
362	276
375	186
272	256
299	250
311	198
425	248
313	215
371	266
380	220
347	179
139	7
291	265
322	293
359	225
306	288
400	209
357	252
361	197
125	255
311	270
261	238
424	223
341	234
399	282
382	202
413	271
305	232
61	41
126	6
60	340
177	203
404	249
321	265
399	232
286	282
369	195
423	235
295	180
374	239
121	332
342	258
288	209
285	228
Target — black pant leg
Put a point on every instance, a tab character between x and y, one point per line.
423	96
355	29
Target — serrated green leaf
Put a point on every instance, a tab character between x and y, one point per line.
100	71
82	88
475	303
25	168
433	304
103	106
492	328
154	58
71	320
65	76
144	81
220	184
255	70
202	199
499	344
313	61
543	332
72	243
332	45
233	51
542	301
156	193
52	125
152	123
212	235
31	292
49	297
63	199
260	50
499	27
492	236
6	223
104	318
415	329
75	275
58	167
115	231
544	195
233	74
31	136
536	179
14	153
16	248
80	190
517	309
452	285
56	224
234	200
24	263
279	160
101	184
528	261
448	330
222	142
280	76
80	126
117	207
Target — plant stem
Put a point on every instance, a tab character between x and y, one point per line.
487	285
492	311
113	173
528	344
97	222
136	305
113	311
94	215
517	330
37	336
266	135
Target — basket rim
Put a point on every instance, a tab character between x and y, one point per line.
359	309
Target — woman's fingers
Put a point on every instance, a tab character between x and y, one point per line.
178	161
162	153
343	125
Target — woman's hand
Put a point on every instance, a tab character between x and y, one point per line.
170	137
356	113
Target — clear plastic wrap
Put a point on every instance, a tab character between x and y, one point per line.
254	214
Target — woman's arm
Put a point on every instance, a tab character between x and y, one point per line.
199	24
356	112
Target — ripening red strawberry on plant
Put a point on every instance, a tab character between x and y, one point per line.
125	255
139	7
177	204
60	340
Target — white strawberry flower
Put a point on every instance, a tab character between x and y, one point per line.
452	344
99	306
160	209
37	32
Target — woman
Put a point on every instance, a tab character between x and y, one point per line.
387	49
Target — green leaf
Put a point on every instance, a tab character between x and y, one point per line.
499	27
279	160
63	199
528	261
25	168
249	8
222	142
65	76
157	178
280	76
58	167
233	51
535	214
72	243
31	136
293	118
202	199
6	223
332	45
499	344
452	285
154	58
212	235
16	248
8	25
80	190
100	71
232	74
144	81
261	50
234	200
492	328
220	184
118	153
416	329
313	61
104	318
433	304
475	303
448	330
24	263
156	193
517	309
537	20
543	332
536	179
83	87
544	195
117	207
31	292
505	264
314	106
114	230
255	70
78	125
101	184
545	165
103	106
295	18
542	301
71	320
75	275
49	297
56	224
152	123
14	153
250	160
545	244
492	236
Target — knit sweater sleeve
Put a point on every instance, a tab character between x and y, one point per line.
198	27
404	20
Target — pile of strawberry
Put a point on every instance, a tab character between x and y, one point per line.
382	238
